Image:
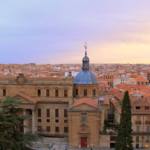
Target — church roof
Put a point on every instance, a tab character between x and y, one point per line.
85	76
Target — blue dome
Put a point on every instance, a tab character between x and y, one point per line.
85	77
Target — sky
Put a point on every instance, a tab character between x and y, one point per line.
54	31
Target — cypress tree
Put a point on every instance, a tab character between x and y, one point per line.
124	137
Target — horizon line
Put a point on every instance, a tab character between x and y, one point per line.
74	63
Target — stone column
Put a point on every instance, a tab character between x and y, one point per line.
34	126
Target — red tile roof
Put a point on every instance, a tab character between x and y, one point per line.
134	88
141	79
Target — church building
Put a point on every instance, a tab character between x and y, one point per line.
68	107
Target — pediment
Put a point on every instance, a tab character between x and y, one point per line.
83	107
24	98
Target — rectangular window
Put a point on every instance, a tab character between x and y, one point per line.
56	93
56	120
85	92
39	120
29	111
39	92
138	122
4	92
48	129
65	113
65	93
138	107
48	112
147	107
47	93
56	113
147	122
94	92
56	129
39	112
65	121
48	120
77	92
137	146
65	129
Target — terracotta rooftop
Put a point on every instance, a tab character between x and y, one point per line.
141	79
133	88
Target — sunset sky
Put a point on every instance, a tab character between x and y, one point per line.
54	31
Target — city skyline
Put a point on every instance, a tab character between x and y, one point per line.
54	32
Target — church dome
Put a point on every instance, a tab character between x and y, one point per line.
85	77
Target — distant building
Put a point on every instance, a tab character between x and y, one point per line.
74	107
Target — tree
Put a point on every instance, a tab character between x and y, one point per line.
124	137
11	125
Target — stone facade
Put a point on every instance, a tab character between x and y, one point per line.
84	122
73	108
41	98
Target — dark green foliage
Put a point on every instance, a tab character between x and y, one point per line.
110	125
124	137
11	125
